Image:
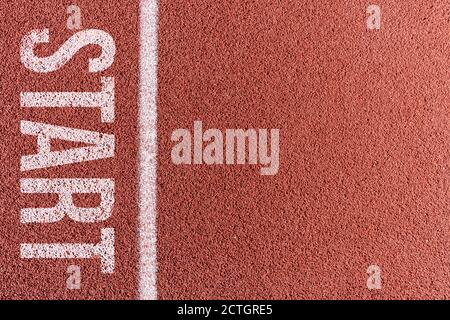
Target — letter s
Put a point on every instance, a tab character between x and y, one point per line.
67	50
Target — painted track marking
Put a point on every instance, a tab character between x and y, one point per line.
147	148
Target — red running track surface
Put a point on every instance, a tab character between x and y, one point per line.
363	180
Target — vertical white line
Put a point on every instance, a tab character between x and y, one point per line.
147	148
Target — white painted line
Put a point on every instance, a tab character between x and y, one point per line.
148	148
